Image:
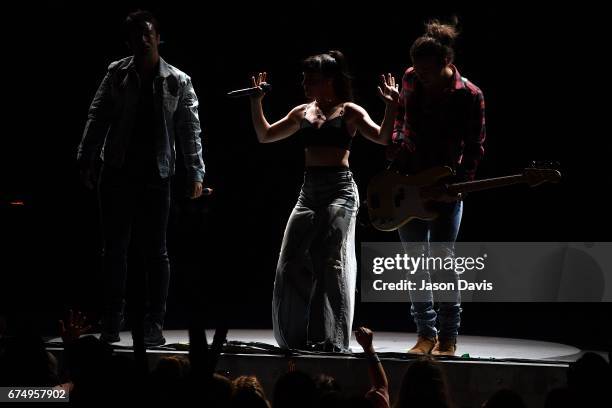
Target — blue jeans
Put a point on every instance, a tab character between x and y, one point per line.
314	288
416	235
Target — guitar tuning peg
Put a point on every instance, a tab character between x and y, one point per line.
552	164
544	164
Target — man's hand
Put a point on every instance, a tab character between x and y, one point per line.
197	190
364	337
87	177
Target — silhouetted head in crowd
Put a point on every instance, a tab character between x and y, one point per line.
24	361
328	392
171	369
589	378
249	393
92	367
294	389
588	383
504	399
326	383
424	385
168	379
220	390
559	398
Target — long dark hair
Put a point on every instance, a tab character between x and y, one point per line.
332	64
438	41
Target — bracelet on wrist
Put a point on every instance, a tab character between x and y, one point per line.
373	357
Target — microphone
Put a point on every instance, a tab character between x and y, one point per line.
250	91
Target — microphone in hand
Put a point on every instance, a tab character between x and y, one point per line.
255	90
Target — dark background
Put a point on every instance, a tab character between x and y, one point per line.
542	72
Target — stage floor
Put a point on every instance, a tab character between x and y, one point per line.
477	347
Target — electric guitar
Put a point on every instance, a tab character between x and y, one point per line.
394	199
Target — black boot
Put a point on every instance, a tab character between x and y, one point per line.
153	335
112	323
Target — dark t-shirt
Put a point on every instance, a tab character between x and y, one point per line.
141	160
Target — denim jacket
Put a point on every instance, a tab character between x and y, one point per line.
110	119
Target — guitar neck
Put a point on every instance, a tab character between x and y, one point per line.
477	185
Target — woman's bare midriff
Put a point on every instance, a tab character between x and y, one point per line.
326	156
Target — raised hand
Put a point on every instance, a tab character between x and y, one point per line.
74	327
257	81
388	89
364	337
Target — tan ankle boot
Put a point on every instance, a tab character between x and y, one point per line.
424	345
445	347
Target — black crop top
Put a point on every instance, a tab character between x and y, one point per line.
331	133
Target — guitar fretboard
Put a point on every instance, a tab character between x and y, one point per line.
477	185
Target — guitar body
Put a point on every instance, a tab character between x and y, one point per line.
395	199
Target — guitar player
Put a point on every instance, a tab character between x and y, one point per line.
440	122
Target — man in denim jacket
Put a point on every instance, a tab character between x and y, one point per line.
142	105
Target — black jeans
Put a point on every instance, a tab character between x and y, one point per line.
134	205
